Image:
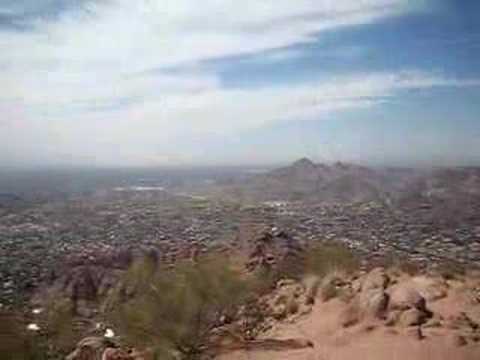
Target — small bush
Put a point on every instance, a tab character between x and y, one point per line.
324	259
175	311
59	326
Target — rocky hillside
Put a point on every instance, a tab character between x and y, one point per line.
377	315
307	180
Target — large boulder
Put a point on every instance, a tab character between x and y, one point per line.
370	302
431	289
275	250
412	317
373	302
404	297
376	279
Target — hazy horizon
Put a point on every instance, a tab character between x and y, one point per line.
161	83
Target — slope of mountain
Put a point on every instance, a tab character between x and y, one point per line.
451	194
307	181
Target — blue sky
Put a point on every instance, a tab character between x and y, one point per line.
162	82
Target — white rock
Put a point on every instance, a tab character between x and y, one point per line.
109	333
33	327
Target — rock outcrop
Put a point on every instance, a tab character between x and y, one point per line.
275	251
91	348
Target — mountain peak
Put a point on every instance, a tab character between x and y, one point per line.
304	162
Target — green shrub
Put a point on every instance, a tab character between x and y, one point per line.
323	259
175	311
59	327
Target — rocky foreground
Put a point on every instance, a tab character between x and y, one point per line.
380	314
345	313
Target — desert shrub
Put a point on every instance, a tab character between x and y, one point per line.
292	267
326	258
264	281
18	344
59	327
174	311
253	314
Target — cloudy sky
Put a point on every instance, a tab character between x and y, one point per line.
162	82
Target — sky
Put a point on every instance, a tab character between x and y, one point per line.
215	82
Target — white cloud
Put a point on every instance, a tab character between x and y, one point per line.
151	132
103	48
93	85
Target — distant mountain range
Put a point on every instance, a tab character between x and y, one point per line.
342	182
